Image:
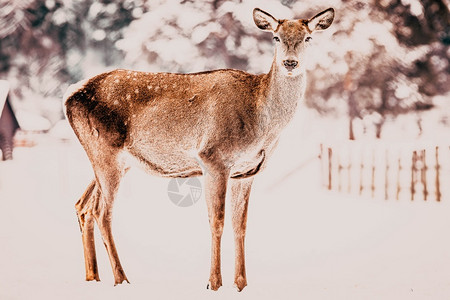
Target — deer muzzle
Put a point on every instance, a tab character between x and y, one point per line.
290	64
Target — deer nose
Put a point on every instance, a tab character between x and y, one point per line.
290	64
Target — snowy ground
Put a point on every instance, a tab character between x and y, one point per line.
302	242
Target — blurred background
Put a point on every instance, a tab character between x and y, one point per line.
376	114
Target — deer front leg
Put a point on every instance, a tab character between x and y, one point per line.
240	192
215	190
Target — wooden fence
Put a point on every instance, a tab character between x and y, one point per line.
391	171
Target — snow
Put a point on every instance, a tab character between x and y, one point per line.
201	33
95	9
415	7
302	241
30	121
62	130
241	10
99	35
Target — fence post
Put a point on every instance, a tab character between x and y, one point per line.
413	174
372	187
423	174
438	184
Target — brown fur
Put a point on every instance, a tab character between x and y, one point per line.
223	124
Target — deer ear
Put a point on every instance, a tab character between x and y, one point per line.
322	20
264	21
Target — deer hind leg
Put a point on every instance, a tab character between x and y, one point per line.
86	221
108	179
240	193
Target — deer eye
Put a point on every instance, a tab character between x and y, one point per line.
308	39
276	39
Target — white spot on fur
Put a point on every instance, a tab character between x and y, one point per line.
128	96
116	102
149	87
136	91
117	81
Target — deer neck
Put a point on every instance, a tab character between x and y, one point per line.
283	94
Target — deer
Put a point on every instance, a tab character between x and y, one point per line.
223	124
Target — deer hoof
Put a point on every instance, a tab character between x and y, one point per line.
92	277
214	283
120	281
240	283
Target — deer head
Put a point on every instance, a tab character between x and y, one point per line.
291	37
